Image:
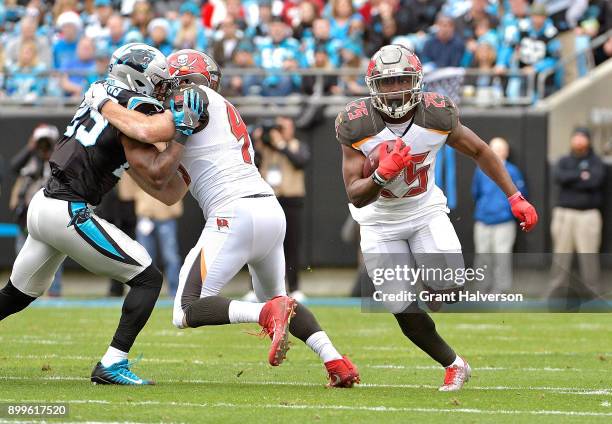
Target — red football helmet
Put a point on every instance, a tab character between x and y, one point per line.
395	80
195	67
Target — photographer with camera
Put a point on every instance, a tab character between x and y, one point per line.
281	159
31	165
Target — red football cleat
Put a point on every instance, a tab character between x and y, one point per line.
456	377
342	373
274	318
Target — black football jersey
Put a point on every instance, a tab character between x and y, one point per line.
89	159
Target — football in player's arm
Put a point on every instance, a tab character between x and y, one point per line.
365	190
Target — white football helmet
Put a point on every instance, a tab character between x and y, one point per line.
141	68
395	80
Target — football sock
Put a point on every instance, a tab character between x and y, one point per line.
12	300
421	330
319	342
209	310
305	327
137	307
112	356
303	324
244	311
457	362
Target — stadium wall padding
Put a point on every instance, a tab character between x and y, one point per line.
326	205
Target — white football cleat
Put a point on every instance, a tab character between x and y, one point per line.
456	376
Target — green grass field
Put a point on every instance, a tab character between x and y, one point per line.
527	369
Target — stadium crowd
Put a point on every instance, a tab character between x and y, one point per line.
57	48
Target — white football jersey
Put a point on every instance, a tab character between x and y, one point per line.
220	158
413	193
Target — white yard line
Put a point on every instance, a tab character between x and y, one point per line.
337	408
557	390
314	365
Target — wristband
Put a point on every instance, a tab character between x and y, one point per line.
378	179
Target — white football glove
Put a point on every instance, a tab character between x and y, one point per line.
97	96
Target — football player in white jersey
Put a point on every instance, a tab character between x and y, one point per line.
402	213
244	225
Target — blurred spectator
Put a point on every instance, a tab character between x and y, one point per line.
351	56
157	226
190	34
116	33
62	6
245	84
565	14
293	11
64	48
605	19
261	29
31	165
495	226
100	71
444	48
320	38
326	84
140	18
425	12
465	25
96	28
279	53
533	47
486	86
576	222
343	16
514	19
213	13
74	79
25	79
227	39
304	18
283	158
27	32
159	32
235	11
384	26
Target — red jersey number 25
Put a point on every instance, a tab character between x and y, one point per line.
239	130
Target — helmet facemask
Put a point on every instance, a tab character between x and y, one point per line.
390	100
163	88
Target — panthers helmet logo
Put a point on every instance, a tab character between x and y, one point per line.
136	59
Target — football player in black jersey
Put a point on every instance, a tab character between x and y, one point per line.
88	161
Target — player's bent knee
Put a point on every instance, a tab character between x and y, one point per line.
151	277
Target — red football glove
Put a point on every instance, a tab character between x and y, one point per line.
390	164
523	211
